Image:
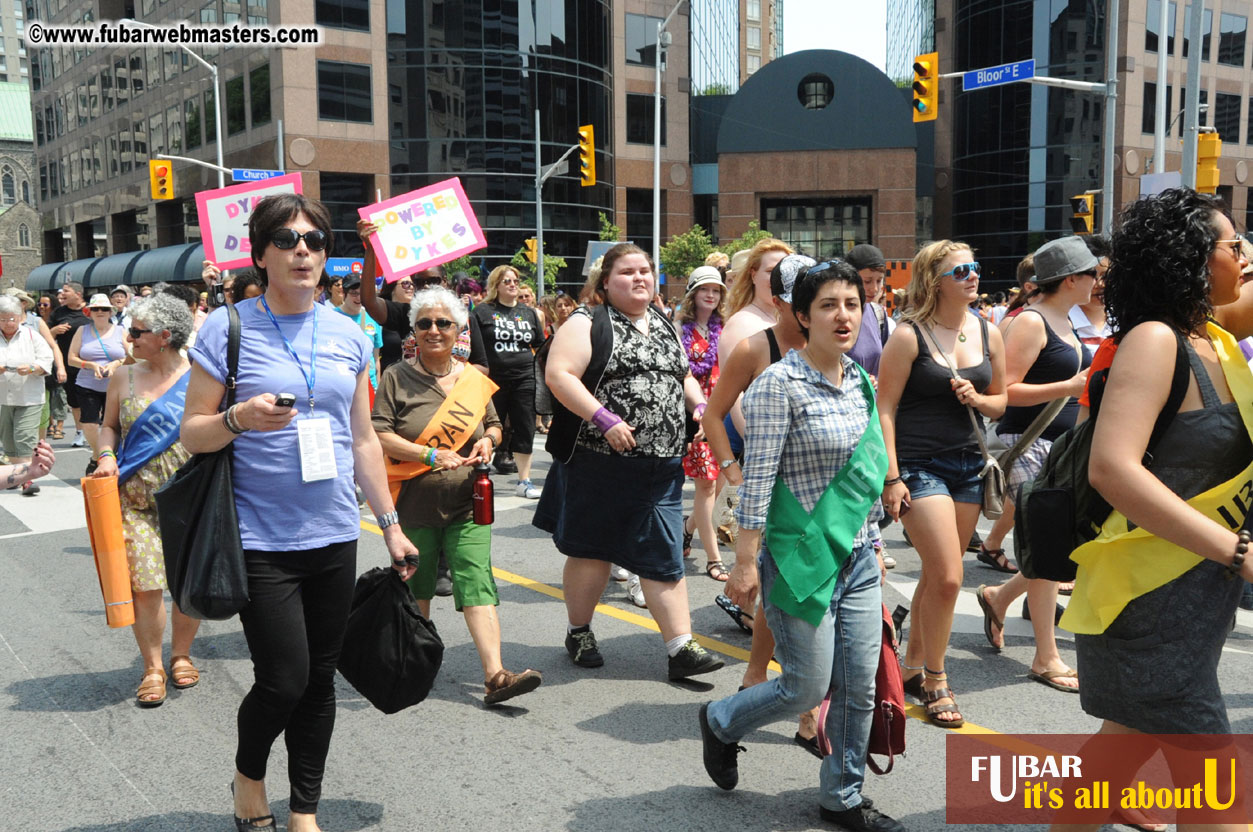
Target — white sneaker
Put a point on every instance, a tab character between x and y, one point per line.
618	573
526	489
80	441
889	562
636	592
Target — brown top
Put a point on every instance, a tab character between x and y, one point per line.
406	401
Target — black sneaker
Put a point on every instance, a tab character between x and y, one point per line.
720	763
506	464
693	660
443	578
864	816
581	645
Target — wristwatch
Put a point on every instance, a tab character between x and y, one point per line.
725	464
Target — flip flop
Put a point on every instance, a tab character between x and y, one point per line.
1048	677
990	621
737	614
1066	588
717	570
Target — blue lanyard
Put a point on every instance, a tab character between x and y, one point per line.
103	348
311	377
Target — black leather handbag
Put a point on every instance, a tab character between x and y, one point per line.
204	557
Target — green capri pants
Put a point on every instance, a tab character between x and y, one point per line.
19	429
468	549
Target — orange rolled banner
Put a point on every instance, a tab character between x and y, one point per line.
104	523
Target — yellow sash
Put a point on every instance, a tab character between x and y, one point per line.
450	427
1120	565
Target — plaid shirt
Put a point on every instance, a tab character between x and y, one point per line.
801	427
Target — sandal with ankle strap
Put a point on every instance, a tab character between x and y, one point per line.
147	688
931	701
252	824
687	537
717	570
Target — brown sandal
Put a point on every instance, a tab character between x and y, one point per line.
182	668
717	570
931	700
147	688
506	685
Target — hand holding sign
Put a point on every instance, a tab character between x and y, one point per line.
422	228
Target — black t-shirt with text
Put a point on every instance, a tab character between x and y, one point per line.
510	335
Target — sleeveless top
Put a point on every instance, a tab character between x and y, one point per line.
929	418
137	491
776	355
868	348
1058	361
101	351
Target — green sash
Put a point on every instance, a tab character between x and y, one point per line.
809	548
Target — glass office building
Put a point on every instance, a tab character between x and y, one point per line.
911	32
715	52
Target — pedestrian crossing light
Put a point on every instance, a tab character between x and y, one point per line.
925	86
161	178
1081	222
1208	148
587	155
532	251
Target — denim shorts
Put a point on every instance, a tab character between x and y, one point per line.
954	474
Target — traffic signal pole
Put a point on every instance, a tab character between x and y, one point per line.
542	174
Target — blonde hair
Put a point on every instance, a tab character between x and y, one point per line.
493	282
743	290
924	286
718	260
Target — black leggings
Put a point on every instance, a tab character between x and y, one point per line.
294	622
516	400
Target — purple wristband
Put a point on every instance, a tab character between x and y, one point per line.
604	419
699	410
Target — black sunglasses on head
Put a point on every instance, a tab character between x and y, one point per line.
287	238
423	324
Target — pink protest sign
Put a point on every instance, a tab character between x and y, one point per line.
423	228
224	215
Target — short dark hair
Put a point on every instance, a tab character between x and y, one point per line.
815	277
242	281
1159	269
183	292
1098	244
274	212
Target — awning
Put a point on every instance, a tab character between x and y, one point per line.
173	264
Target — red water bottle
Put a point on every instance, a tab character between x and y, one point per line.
484	496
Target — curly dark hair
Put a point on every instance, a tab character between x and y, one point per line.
1159	265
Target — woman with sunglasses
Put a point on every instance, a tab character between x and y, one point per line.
512	331
398	292
435	502
294	473
139	445
1044	360
934	463
97	350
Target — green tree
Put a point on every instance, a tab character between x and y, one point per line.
464	263
685	252
608	231
748	239
526	269
716	89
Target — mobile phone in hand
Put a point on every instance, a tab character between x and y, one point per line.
285	400
904	508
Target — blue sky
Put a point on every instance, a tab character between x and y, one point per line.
855	26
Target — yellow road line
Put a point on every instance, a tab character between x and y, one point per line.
914	711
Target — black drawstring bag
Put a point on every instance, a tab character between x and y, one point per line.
204	557
391	654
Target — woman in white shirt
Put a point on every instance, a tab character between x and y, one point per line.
25	359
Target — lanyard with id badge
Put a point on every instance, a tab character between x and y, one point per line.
317	447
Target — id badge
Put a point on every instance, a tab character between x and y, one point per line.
317	449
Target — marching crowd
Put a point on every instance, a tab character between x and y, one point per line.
783	378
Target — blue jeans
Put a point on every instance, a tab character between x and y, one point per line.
841	654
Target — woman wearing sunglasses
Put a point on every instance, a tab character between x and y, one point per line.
298	515
399	292
98	350
436	501
139	445
934	462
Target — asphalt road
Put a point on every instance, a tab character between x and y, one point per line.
591	750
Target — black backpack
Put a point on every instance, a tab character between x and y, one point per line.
1060	511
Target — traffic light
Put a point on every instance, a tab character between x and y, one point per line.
587	155
1208	148
1081	222
161	178
532	252
926	86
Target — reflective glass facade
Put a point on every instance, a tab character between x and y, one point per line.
715	52
911	31
1021	151
464	81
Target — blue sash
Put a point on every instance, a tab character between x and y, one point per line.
154	431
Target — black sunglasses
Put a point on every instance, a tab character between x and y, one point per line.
423	324
287	238
137	333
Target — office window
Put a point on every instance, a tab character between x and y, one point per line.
754	10
1207	28
641	39
818	227
754	38
191	121
1150	27
236	119
174	126
259	89
344	92
1227	116
210	117
1148	118
1231	32
343	14
39	129
1202	115
639	119
753	63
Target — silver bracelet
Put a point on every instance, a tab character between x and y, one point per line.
390	518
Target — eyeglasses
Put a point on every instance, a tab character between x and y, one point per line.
423	324
422	283
963	272
406	284
106	309
1237	246
508	281
137	333
287	238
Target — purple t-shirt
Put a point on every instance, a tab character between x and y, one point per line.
277	511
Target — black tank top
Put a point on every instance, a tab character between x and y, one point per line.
1058	361
775	354
929	418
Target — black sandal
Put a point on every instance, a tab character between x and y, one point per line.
717	570
687	538
996	559
737	614
252	824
